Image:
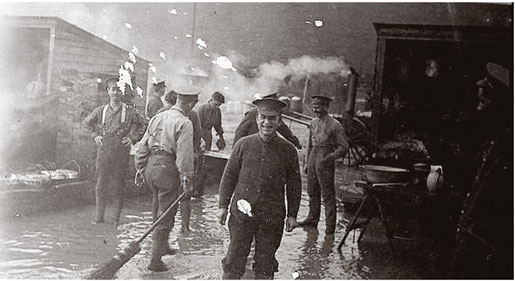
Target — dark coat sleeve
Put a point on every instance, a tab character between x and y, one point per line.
243	128
288	134
154	104
218	122
230	177
293	184
138	126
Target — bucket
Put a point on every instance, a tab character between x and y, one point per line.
385	174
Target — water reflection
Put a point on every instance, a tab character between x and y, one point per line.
64	244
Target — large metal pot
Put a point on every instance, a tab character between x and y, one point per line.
385	174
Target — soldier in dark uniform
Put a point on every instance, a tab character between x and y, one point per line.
327	142
154	100
484	238
114	127
248	126
261	167
165	157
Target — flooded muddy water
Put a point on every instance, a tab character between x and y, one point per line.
65	245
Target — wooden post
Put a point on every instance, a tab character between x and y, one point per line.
304	93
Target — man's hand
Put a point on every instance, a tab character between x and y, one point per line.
221	214
98	140
139	178
126	141
291	223
220	143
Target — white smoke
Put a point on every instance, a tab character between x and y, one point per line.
245	83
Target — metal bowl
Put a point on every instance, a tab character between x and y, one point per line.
385	174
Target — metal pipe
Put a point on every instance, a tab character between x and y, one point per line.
351	93
305	90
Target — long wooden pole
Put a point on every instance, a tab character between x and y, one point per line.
193	28
305	91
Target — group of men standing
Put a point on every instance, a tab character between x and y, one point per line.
262	170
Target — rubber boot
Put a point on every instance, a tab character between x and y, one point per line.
157	265
158	247
329	229
313	215
185	216
100	208
330	216
118	205
166	247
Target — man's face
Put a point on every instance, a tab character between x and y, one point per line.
268	123
319	106
113	90
214	103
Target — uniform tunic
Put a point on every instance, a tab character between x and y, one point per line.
153	106
209	118
326	136
166	154
112	155
248	126
198	185
258	172
484	248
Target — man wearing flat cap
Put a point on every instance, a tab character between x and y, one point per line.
113	127
261	169
154	102
164	158
248	126
327	142
484	237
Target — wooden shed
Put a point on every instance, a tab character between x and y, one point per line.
53	73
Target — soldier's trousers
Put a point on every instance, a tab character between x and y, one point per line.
111	168
208	138
267	236
163	180
200	175
321	185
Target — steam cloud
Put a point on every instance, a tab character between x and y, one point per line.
245	83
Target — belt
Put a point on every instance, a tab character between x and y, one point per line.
160	151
